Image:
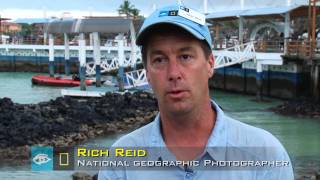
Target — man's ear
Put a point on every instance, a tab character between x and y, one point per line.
211	65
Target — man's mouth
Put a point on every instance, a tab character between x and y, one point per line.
176	93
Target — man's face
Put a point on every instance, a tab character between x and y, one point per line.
178	72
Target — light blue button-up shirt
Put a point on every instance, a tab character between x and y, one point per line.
230	140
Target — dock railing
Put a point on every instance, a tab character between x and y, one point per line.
260	45
269	45
301	48
220	44
234	55
57	41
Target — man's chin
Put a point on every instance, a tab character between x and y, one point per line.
179	108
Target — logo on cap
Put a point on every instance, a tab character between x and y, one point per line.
173	13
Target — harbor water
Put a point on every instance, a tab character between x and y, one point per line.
300	136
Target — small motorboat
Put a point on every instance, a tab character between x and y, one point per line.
57	81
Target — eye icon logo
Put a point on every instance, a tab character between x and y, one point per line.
41	159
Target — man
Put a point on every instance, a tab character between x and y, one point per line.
176	49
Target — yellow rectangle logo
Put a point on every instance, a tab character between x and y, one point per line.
64	159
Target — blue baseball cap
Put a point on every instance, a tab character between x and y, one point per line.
176	15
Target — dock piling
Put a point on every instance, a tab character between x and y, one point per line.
66	55
315	81
97	57
51	55
259	81
82	59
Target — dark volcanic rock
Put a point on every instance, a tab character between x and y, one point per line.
68	121
304	107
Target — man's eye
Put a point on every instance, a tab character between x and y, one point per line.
185	57
158	60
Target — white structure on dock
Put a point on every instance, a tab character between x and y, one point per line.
93	27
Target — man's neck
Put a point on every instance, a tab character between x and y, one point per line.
187	135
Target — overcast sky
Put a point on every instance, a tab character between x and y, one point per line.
77	8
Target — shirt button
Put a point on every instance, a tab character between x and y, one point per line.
189	175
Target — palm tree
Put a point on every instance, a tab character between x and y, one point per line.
125	8
135	13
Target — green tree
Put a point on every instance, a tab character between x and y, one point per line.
26	29
135	13
128	9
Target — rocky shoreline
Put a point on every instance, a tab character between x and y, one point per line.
67	121
301	108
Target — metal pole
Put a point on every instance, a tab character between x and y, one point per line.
45	36
97	57
51	55
286	31
205	6
242	4
133	46
259	78
121	62
82	59
313	36
315	79
66	54
241	30
309	21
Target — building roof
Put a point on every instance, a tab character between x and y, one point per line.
61	26
104	25
271	12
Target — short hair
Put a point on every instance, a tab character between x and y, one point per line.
165	29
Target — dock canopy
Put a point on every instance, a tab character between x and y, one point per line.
103	25
271	12
61	26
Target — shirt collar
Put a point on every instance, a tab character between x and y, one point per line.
216	145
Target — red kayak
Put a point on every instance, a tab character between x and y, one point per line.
57	81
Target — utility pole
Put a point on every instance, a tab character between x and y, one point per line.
205	6
242	4
312	25
315	66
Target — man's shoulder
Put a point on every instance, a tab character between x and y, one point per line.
259	144
242	134
255	142
138	137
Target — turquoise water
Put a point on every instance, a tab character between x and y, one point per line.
300	136
19	88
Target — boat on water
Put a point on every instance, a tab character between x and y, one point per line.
58	81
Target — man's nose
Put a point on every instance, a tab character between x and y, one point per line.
174	71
